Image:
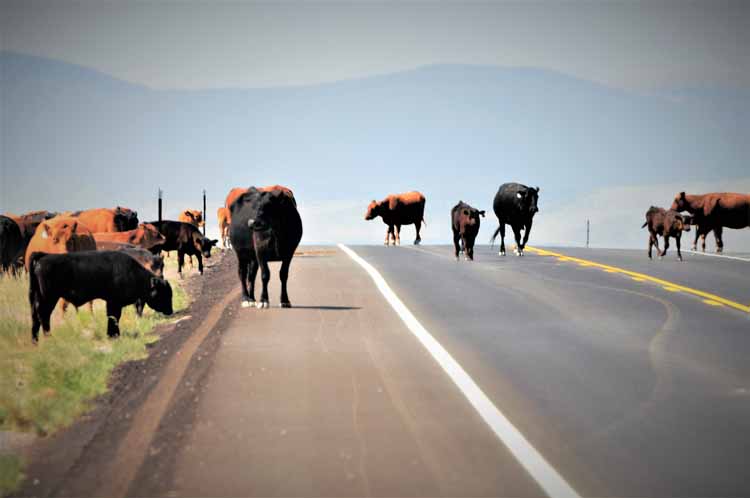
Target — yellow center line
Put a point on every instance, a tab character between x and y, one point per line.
708	298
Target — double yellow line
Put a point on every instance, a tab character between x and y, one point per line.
708	298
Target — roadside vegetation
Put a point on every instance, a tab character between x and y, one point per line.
46	387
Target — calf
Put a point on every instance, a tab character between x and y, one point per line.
667	224
185	239
465	224
151	262
192	216
84	276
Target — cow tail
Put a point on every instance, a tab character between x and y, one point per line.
644	225
494	235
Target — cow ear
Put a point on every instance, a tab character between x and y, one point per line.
682	194
75	225
537	190
481	213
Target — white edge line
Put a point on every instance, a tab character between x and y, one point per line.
723	256
540	470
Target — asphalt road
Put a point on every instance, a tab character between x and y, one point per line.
626	388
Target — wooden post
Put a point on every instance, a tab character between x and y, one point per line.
204	212
160	194
588	229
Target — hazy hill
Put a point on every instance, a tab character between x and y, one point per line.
74	137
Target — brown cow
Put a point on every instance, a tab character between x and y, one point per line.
224	216
397	210
192	216
715	211
100	220
60	235
28	222
236	192
145	236
465	222
667	224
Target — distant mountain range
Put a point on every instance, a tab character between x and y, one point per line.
74	137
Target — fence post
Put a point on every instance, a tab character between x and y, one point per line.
160	194
205	220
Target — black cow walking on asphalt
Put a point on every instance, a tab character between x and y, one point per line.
516	205
465	224
80	277
265	227
185	239
11	245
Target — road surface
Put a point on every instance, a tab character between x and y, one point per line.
626	386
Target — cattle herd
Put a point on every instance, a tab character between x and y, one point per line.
103	253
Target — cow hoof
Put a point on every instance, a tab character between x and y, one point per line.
286	305
501	253
247	304
261	305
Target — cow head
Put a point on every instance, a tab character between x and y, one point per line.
65	235
469	216
680	203
203	244
159	296
528	200
686	220
146	236
125	219
373	210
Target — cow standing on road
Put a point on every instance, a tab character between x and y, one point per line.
396	210
714	212
667	224
223	217
465	224
516	205
266	226
84	276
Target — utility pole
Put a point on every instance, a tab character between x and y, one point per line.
204	212
588	230
160	194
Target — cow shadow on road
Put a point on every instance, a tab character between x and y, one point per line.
326	308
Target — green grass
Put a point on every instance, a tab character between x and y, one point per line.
45	387
10	474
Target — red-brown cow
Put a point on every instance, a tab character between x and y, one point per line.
715	211
145	236
399	209
667	224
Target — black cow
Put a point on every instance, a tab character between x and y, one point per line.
516	205
12	245
465	223
185	239
80	277
265	227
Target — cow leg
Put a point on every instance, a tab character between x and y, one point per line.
666	246
113	319
398	235
180	261
265	277
139	305
456	238
517	235
677	241
284	276
651	242
468	253
41	311
242	270
502	238
388	234
418	226
199	257
251	278
526	233
718	232
698	233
